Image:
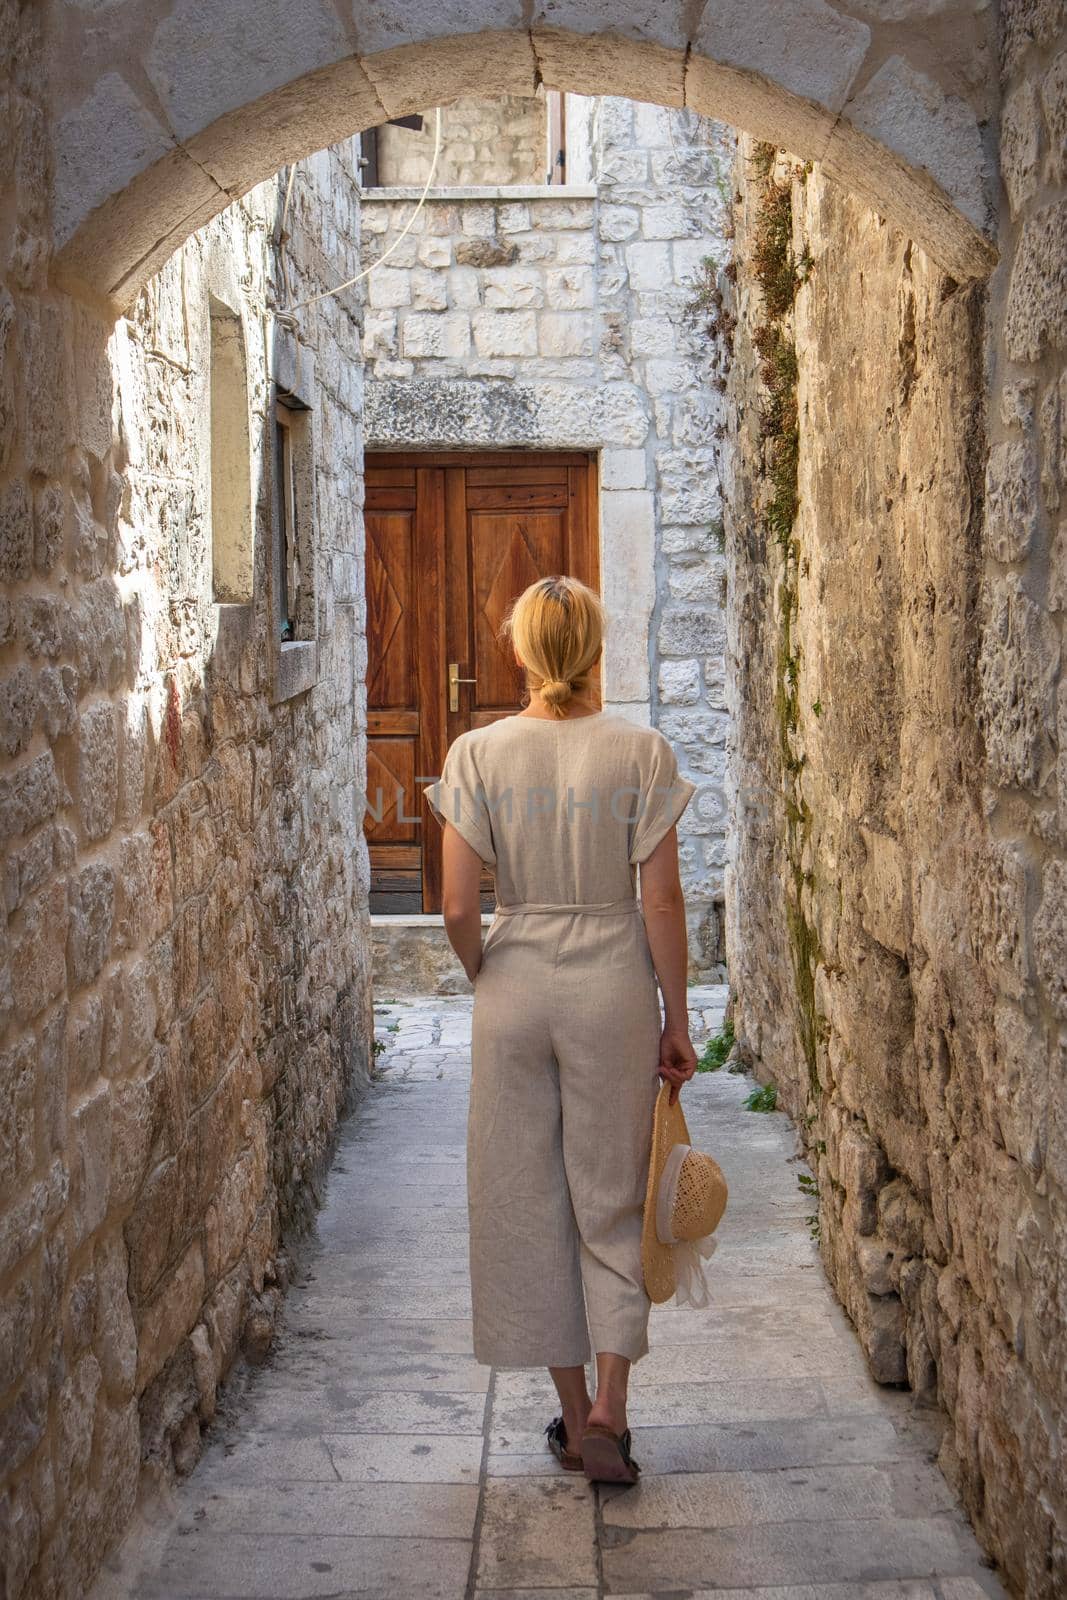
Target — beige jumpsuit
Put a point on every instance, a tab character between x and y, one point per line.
566	1028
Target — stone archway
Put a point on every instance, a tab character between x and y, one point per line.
156	132
158	118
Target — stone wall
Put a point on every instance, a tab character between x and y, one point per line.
183	989
482	141
896	893
560	319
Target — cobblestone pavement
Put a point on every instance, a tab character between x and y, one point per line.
372	1456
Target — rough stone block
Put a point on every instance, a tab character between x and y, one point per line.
885	899
615	222
653	336
18	710
18	1067
17	1321
908	113
648	264
1018	666
97	769
91	1163
464	288
1011	500
689	482
111	118
505	333
575	250
623	469
57	689
1036	317
513	218
38	952
1054	105
623	414
816	58
389	287
691	631
499	62
688	256
1020	145
163	1324
429	290
564	334
28	796
512	288
92	909
198	87
669	377
16	532
439	336
669	220
570	288
679	683
435	252
1050	936
627	522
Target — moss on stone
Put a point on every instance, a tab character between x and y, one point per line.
775	269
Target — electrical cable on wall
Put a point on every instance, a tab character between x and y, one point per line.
325	294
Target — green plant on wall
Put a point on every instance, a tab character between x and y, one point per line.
809	1188
764	1097
717	1049
705	307
779	272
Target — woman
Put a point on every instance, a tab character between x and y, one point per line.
565	803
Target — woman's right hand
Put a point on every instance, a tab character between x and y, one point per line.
677	1059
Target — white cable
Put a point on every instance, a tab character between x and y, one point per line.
325	294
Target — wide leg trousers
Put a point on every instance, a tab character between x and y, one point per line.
565	1052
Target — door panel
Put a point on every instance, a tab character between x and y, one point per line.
451	541
390	612
509	550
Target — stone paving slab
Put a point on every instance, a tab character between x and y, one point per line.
825	1591
792	1494
231	1566
382	1510
372	1456
540	1532
781	1553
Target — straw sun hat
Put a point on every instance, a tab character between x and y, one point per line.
684	1201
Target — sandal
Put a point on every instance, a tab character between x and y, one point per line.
556	1434
606	1456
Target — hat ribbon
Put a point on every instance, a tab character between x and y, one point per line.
691	1284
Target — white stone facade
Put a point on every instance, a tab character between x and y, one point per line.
539	318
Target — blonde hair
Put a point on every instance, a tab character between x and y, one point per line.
557	627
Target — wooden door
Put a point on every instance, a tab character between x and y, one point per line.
451	541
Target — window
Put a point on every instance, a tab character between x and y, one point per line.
287	557
293	603
232	521
515	140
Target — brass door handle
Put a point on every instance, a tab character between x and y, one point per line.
454	681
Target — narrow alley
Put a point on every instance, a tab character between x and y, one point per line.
373	1456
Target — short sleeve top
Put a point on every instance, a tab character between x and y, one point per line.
564	811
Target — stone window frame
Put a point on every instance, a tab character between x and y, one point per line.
556	166
294	661
232	516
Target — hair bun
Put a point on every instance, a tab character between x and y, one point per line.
555	690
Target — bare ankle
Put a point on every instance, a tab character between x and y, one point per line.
609	1411
575	1422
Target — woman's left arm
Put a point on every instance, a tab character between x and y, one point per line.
461	901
